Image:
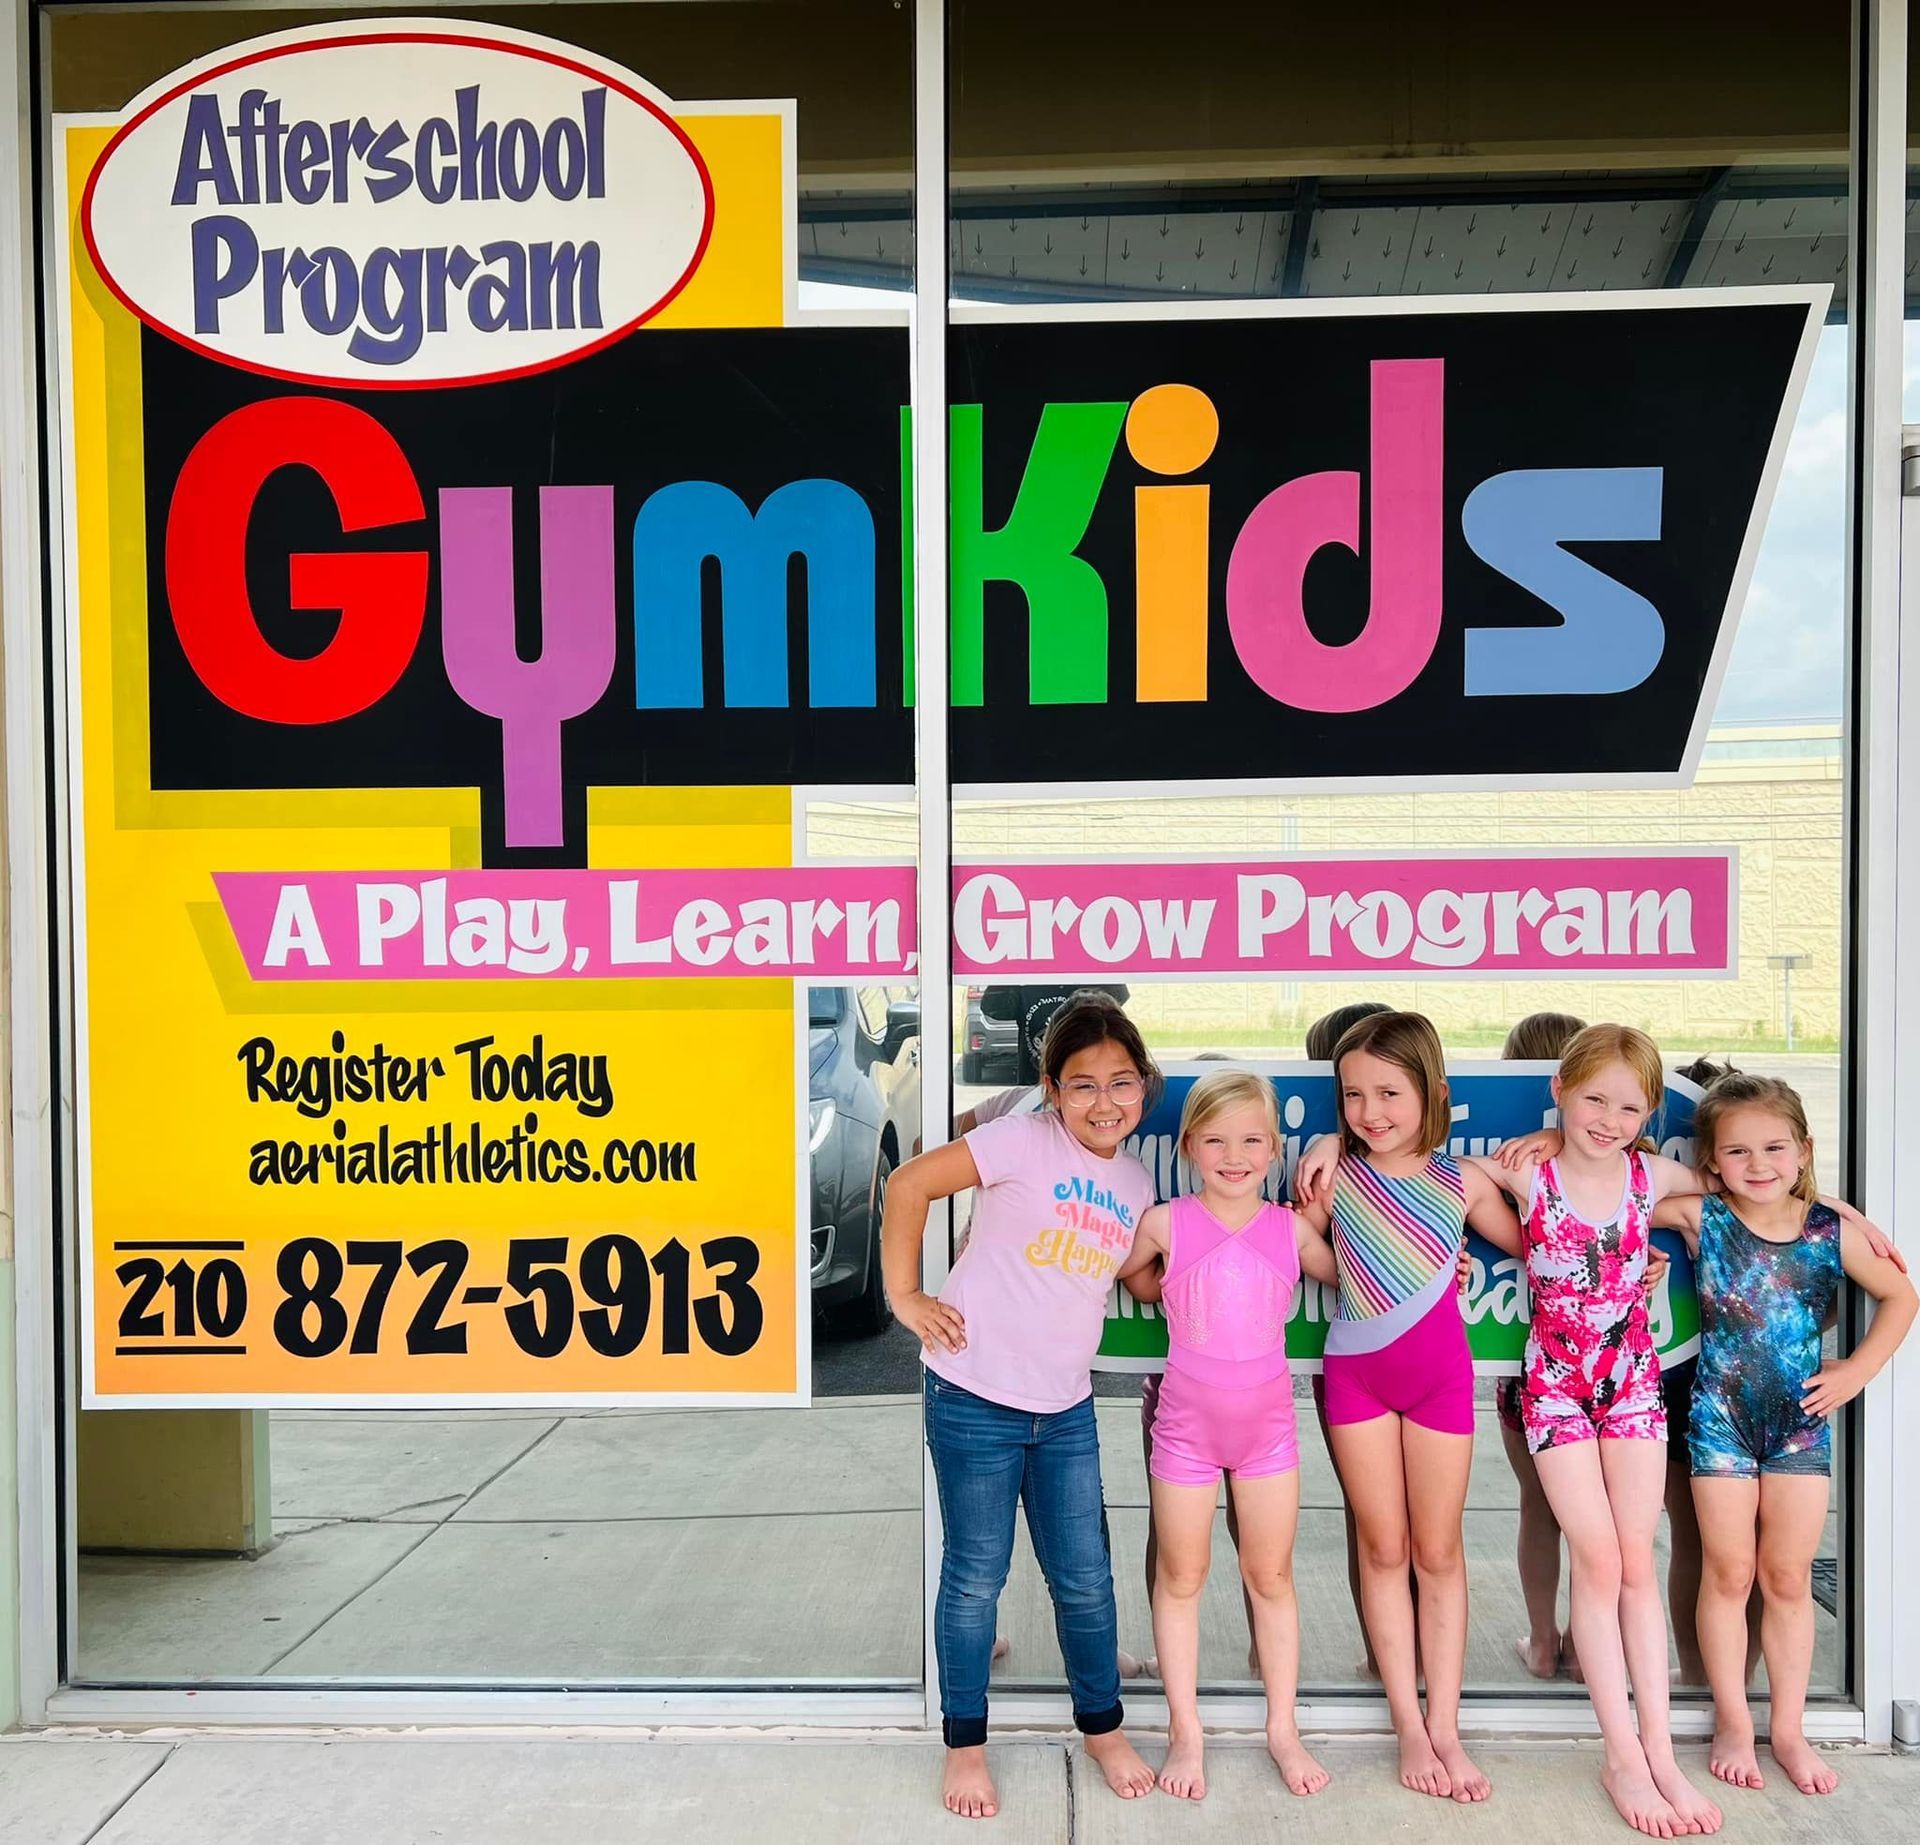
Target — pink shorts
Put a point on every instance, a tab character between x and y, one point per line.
1425	1375
1198	1430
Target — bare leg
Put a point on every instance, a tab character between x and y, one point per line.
1577	1490
1683	1566
1373	1469
1537	1552
1368	1664
1636	1475
1437	1466
1152	1666
1246	1599
1270	1516
1184	1515
1726	1512
1793	1513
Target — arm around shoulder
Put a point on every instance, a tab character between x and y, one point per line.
1149	1245
1680	1212
1488	1209
1673	1178
1317	1260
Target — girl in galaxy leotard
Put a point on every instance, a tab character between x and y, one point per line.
1769	1256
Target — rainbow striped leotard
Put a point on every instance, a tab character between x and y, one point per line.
1397	1241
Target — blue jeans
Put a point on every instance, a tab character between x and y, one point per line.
987	1457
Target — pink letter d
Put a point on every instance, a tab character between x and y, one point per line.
1266	614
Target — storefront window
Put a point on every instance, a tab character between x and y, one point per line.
564	1530
1387	164
331	1421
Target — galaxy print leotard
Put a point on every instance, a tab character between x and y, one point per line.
1762	1305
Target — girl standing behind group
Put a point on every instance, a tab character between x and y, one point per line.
1399	1379
1538	1038
1769	1257
1009	1349
1230	1263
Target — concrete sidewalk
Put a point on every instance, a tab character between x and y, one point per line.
489	1789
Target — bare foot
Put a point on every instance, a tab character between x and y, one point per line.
1469	1784
1640	1803
1183	1773
1002	1646
1542	1660
1803	1767
1120	1762
1697	1812
968	1788
1130	1665
1420	1768
1302	1774
1733	1759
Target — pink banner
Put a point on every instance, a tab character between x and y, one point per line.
1592	913
1586	914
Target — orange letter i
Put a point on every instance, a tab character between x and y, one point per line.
1171	429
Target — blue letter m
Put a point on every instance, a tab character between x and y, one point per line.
681	526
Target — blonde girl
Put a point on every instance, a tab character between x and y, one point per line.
1769	1257
1228	1266
1590	1401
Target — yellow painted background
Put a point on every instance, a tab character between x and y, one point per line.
167	1002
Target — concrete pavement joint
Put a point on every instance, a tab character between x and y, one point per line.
426	1532
120	1805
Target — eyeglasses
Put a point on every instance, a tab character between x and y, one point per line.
1122	1092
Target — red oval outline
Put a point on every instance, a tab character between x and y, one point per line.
472	42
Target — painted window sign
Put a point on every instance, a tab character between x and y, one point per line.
484	205
470	549
1282	549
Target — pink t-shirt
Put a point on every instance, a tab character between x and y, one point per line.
1052	1223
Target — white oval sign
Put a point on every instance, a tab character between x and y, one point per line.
398	203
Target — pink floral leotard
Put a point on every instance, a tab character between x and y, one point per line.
1590	1370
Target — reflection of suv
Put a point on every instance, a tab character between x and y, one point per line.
990	1052
863	1078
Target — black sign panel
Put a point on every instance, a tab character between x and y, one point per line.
1427	546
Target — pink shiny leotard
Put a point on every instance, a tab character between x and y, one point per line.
1227	1398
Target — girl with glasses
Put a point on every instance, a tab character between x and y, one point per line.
1009	1346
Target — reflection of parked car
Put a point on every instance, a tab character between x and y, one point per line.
863	1082
990	1052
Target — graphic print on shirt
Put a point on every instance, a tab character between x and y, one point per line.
1590	1365
1094	1233
1762	1307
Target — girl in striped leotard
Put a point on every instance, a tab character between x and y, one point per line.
1399	1378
